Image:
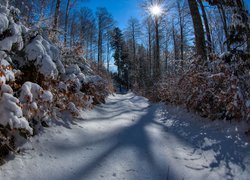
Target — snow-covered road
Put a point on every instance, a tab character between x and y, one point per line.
129	138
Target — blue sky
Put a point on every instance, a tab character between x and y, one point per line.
121	10
247	4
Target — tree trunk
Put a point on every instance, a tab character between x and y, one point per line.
175	44
198	29
224	20
181	31
56	19
66	23
149	49
157	49
41	17
108	52
242	6
205	20
134	55
166	55
92	47
99	48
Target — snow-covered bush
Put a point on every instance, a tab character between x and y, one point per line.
82	86
45	56
11	111
36	102
32	48
34	85
10	107
11	31
67	99
218	90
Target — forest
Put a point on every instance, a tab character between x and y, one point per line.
62	58
194	53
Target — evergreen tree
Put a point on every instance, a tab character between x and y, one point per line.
120	55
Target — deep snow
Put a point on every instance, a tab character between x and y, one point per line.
129	138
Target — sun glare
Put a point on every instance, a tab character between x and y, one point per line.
156	10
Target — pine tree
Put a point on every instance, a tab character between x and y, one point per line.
120	55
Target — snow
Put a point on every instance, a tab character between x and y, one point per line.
4	3
73	69
129	138
30	92
47	96
73	109
93	78
62	86
15	39
248	103
4	23
9	75
6	89
46	57
36	101
11	113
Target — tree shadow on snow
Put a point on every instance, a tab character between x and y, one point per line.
199	138
205	137
134	137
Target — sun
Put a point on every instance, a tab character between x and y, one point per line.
156	10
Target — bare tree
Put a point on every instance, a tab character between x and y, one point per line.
104	22
66	22
181	26
176	55
198	29
87	31
157	72
56	21
133	32
205	20
224	21
70	4
149	29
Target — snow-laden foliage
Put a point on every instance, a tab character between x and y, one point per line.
35	88
94	82
10	107
11	31
37	50
218	90
35	101
11	111
45	56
